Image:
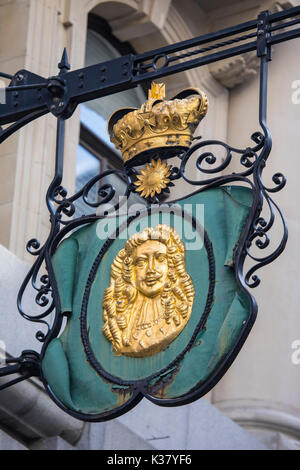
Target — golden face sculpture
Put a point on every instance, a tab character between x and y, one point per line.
150	297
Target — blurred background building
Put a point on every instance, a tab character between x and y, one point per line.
257	403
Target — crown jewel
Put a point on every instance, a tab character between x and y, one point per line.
158	124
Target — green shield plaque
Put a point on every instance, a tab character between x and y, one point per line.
122	341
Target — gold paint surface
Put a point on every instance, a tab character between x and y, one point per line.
157	91
159	123
150	297
153	179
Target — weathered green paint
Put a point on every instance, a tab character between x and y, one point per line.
65	367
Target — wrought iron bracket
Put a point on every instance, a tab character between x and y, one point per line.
29	93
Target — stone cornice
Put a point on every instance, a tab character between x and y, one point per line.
237	70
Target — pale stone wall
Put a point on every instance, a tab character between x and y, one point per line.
263	376
261	389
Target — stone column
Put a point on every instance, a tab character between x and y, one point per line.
35	33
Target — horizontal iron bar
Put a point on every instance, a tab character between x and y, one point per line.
20	122
202	50
6	75
138	78
182	66
179	46
207	59
284	25
283	15
282	37
223	33
15	381
204	60
27	87
8	370
127	72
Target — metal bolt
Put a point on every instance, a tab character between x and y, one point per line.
61	104
20	77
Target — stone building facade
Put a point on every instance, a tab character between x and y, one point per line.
257	403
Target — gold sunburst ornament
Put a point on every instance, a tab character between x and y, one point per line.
153	179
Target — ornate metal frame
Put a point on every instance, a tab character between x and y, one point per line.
29	96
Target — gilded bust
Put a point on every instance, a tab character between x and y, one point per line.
150	297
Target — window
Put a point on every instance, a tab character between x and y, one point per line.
96	153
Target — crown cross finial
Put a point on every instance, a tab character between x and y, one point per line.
157	91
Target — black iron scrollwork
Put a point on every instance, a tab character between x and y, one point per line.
252	160
212	162
65	206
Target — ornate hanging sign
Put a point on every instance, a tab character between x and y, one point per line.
153	303
150	293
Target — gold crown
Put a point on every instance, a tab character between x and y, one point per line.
158	124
